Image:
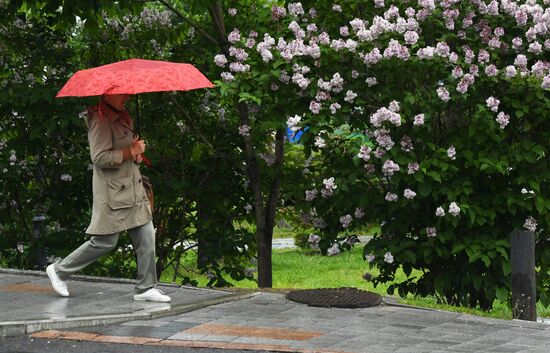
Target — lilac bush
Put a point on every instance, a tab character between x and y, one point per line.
430	116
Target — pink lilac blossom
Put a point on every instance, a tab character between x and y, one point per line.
250	42
391	197
277	12
384	140
324	38
296	9
440	212
66	177
334	250
491	70
239	67
300	80
284	77
380	152
364	153
311	195
337	83
406	144
293	122
334	107
344	31
517	42
451	152
483	56
313	241
411	37
385	114
388	257
370	168
413	167
418	120
244	130
442	49
346	220
535	48
520	61
329	183
315	107
371	81
530	224
425	53
539	68
220	60
274	87
357	24
239	53
546	82
454	210
336	8
394	106
312	27
319	223
502	119
443	94
359	213
511	71
492	103
234	36
409	194
227	76
390	167
232	12
350	96
431	232
373	57
453	58
354	73
457	72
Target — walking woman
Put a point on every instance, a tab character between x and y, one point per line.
119	200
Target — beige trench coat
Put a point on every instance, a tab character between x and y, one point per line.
119	199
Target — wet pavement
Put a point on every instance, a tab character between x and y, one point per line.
202	318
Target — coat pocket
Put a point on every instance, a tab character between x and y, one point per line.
121	193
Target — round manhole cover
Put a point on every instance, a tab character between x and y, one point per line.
335	297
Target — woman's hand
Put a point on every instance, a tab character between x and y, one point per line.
138	147
138	159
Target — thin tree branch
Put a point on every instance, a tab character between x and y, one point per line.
189	21
188	118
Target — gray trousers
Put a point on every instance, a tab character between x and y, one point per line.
143	239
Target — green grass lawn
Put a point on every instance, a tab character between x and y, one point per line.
292	269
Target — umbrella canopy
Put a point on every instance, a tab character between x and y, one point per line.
134	76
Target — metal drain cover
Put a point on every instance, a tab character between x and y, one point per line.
335	297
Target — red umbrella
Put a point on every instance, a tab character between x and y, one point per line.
134	76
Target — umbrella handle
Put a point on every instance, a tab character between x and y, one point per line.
146	160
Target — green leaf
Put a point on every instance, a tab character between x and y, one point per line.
425	188
435	176
502	294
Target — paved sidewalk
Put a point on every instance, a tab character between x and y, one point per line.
270	322
29	304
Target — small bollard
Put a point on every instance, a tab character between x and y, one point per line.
524	295
37	233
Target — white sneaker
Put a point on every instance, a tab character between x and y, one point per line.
152	295
59	286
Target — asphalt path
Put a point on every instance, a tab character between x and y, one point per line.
25	344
